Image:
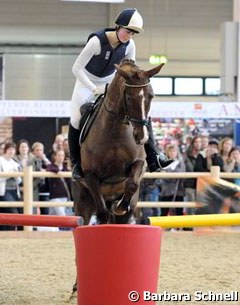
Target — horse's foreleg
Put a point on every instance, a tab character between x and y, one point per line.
94	187
131	187
82	201
83	206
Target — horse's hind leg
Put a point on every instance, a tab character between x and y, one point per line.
131	187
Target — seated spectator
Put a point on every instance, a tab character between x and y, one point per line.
9	187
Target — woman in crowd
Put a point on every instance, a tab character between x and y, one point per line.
59	188
173	189
25	158
57	145
225	145
23	154
9	187
43	161
232	164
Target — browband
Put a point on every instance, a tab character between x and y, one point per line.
137	86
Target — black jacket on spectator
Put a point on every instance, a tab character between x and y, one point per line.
191	164
57	187
201	164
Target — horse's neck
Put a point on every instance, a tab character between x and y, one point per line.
115	96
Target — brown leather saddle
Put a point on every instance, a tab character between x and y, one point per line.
89	112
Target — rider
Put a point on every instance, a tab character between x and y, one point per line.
94	68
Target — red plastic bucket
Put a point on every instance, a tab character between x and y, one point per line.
115	261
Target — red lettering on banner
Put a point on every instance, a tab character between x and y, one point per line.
237	109
224	109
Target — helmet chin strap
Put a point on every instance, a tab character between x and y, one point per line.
117	28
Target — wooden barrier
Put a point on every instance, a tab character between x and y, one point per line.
28	175
188	221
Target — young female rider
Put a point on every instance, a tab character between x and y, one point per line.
94	68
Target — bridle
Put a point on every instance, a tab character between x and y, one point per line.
137	86
127	117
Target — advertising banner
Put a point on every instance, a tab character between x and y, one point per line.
201	110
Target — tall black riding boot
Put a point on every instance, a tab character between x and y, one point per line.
74	150
156	160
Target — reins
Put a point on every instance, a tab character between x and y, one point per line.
125	120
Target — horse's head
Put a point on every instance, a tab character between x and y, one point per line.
138	97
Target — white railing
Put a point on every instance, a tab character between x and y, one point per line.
28	174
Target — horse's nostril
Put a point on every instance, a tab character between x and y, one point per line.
137	138
140	136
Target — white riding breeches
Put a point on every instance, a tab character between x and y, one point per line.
81	95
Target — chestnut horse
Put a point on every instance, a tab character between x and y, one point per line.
113	155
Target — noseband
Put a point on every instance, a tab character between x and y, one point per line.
127	118
132	120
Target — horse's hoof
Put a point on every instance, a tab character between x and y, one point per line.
116	210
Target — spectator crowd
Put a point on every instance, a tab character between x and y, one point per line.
199	154
15	156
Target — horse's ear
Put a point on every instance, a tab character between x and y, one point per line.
154	71
121	72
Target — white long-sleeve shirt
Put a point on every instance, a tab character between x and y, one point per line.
86	82
7	166
93	48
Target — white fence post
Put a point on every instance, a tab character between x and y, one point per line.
215	172
28	193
